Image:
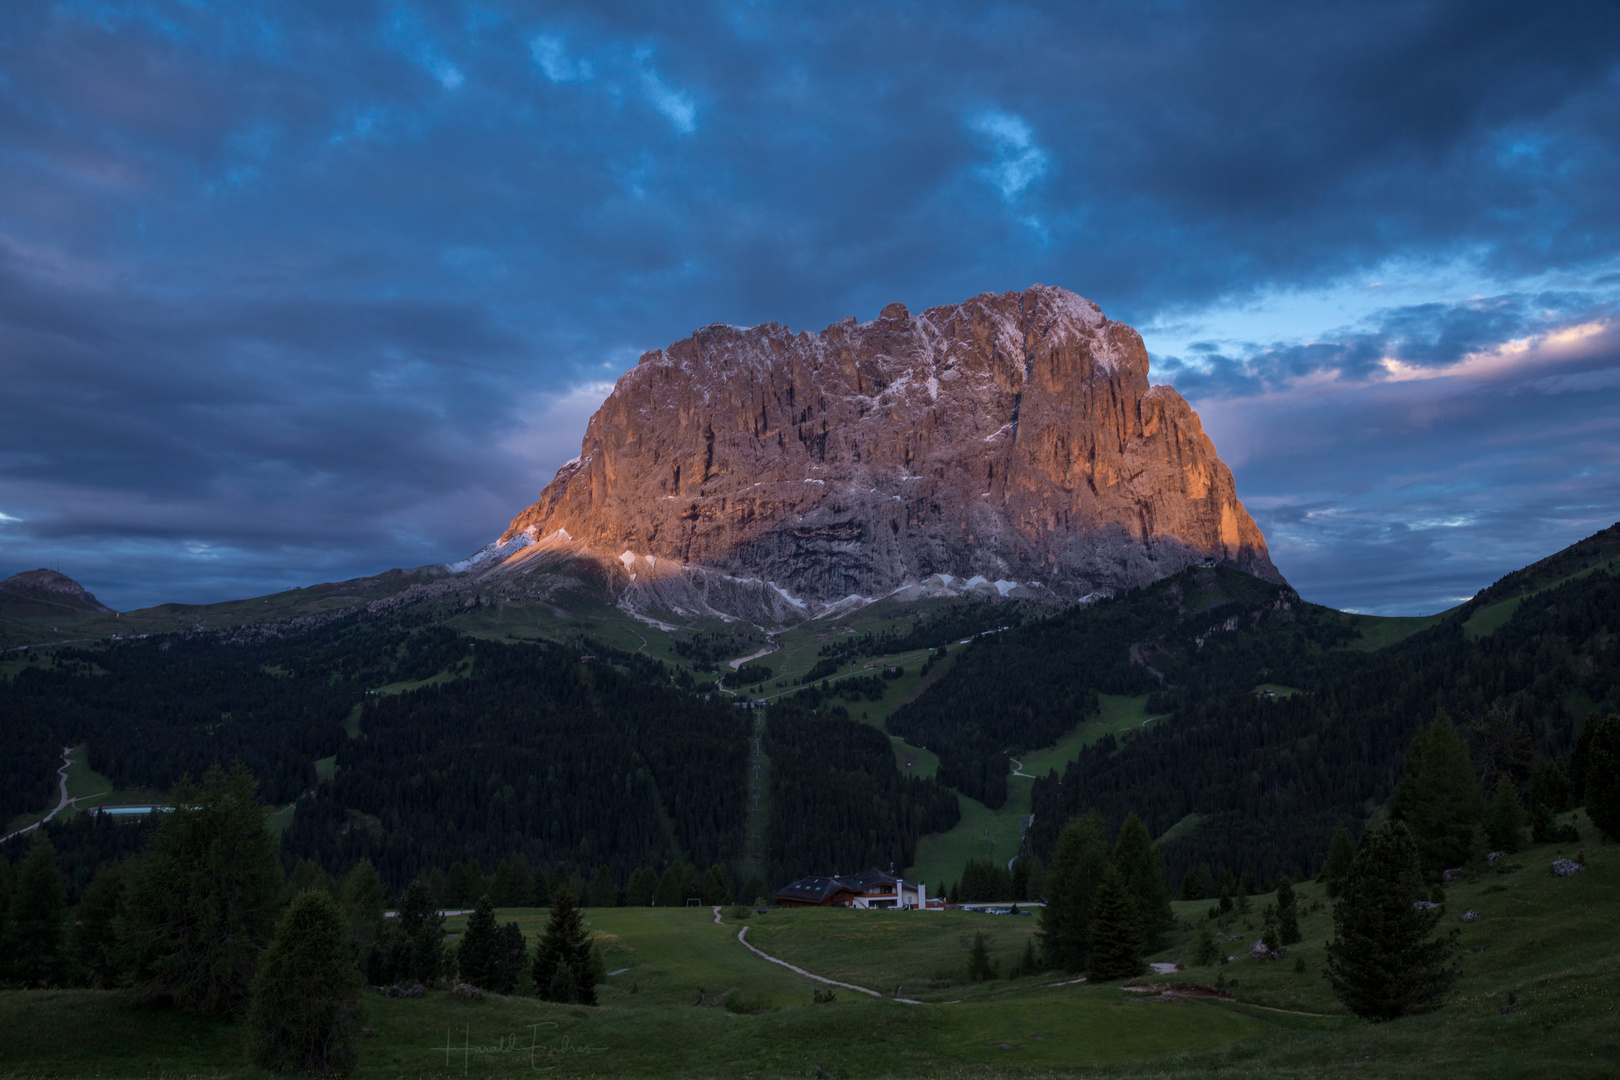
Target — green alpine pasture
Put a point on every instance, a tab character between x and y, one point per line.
1538	998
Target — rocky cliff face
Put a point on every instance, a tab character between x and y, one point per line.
1010	442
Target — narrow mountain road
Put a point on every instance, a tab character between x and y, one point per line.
63	803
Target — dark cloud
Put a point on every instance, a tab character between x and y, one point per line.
293	285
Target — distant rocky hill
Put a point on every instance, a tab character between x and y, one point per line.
1009	445
49	589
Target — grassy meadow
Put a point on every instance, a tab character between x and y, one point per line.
1538	998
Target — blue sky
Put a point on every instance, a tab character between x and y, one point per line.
298	291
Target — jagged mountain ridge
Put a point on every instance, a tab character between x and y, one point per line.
1009	444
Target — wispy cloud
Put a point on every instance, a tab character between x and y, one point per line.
550	51
1018	161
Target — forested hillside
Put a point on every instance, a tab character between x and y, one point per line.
1270	778
838	802
591	763
1199	632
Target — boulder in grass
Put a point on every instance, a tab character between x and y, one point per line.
1470	916
468	991
1425	905
1566	867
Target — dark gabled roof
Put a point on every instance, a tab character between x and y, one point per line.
868	879
812	890
817	890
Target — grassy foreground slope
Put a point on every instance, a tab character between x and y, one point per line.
1550	957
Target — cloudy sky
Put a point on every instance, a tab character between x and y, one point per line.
293	292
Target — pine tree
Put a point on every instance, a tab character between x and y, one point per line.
37	930
753	889
1142	867
604	893
1381	961
200	903
514	955
670	893
642	888
1115	935
1205	951
717	886
1341	853
540	893
364	899
1549	786
1287	912
306	1010
1028	962
1505	821
423	929
564	970
1601	775
478	958
513	884
1438	798
95	931
1071	882
979	966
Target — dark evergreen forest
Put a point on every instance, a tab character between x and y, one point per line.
1270	779
1025	688
839	804
596	763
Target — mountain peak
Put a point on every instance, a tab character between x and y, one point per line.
50	587
1011	441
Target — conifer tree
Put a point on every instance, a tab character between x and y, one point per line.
1438	798
1382	961
364	899
1341	853
752	890
1028	962
1205	951
423	930
200	903
1549	786
1505	821
560	879
642	888
95	931
1142	867
1287	912
563	966
36	934
1115	935
513	884
479	959
1071	882
604	893
979	966
305	1011
514	954
717	886
1601	775
671	887
540	895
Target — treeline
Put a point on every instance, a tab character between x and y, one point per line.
1270	780
839	804
534	752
